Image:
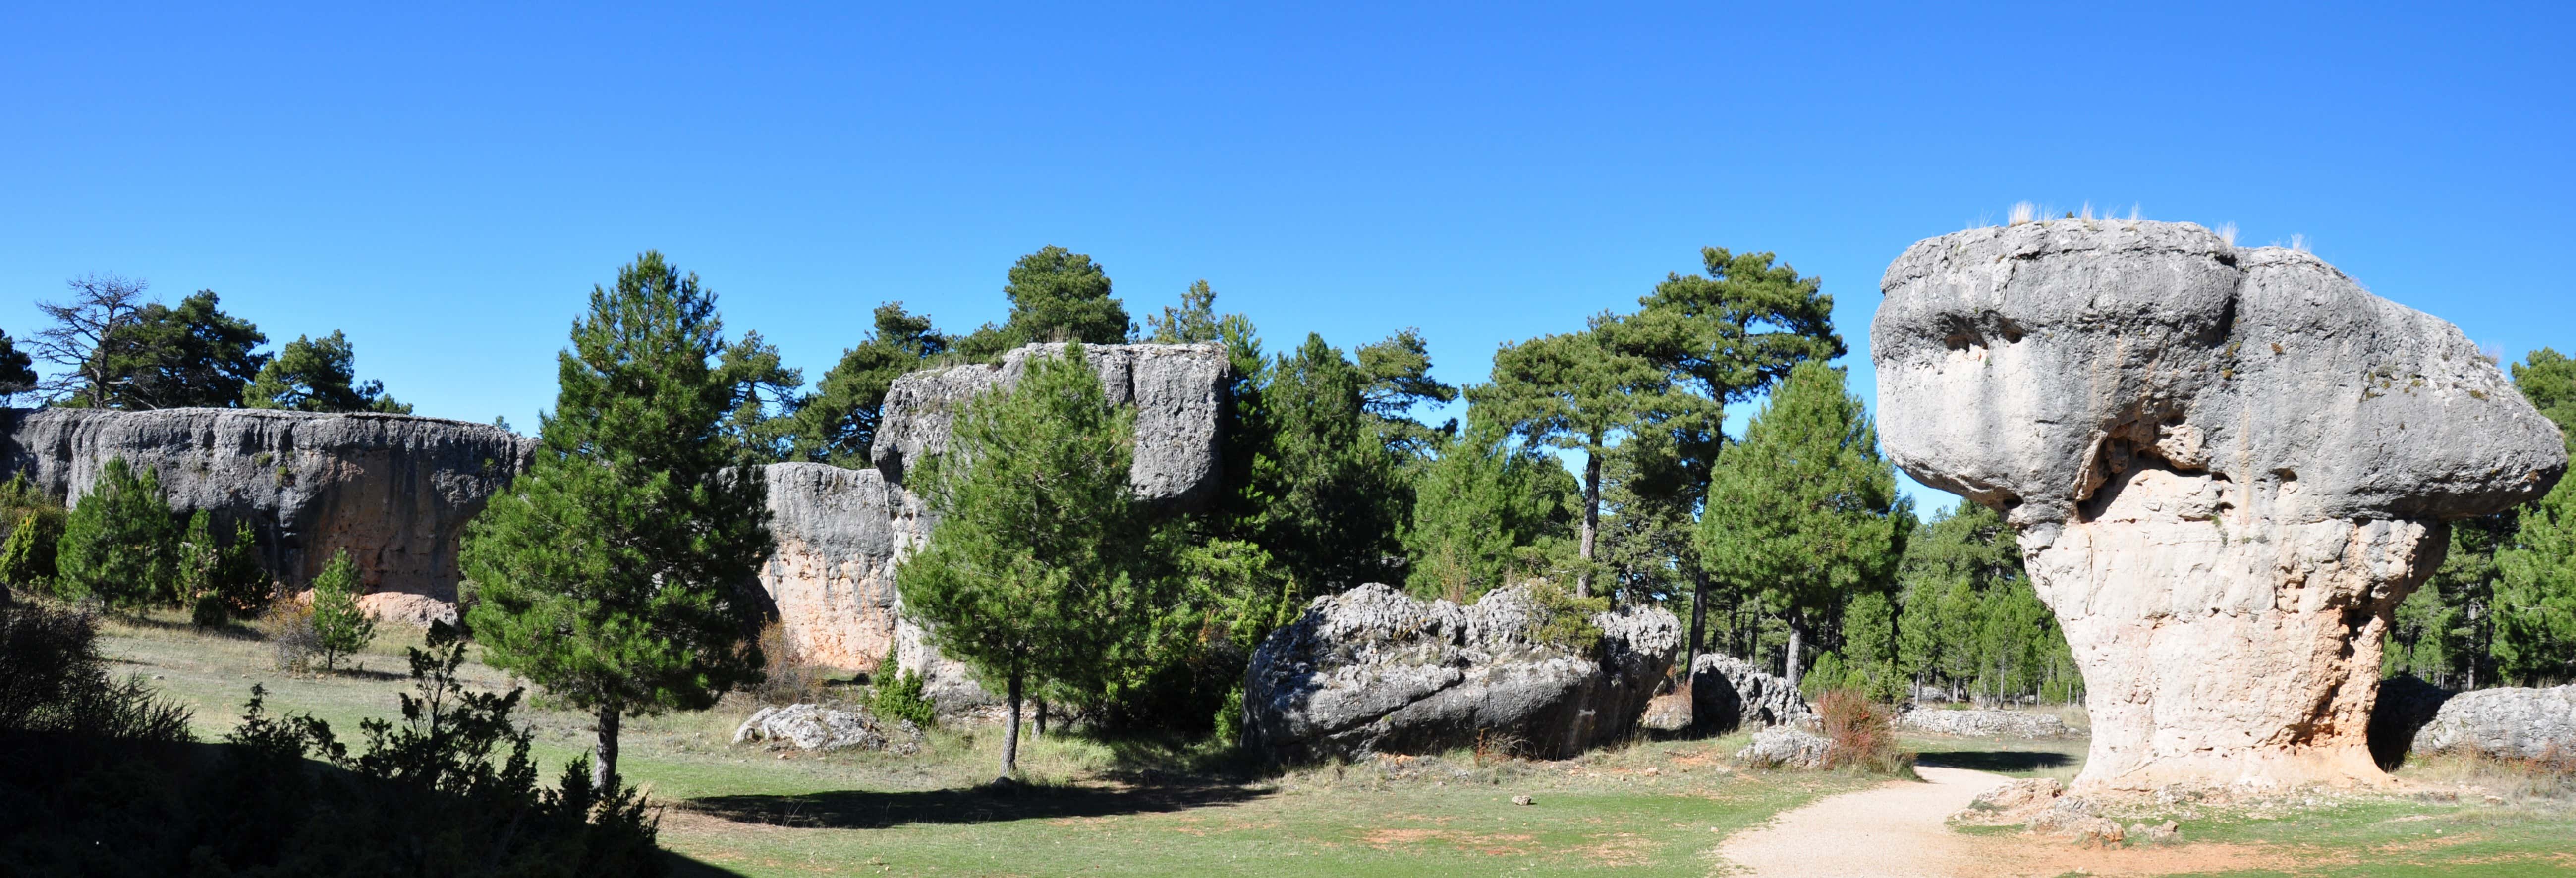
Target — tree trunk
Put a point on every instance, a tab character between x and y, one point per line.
1591	517
1795	640
1699	613
605	772
1011	733
1042	712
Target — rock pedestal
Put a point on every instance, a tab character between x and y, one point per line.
2227	466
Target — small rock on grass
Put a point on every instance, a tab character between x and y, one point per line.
1523	800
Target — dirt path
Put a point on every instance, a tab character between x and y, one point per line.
1894	829
1899	830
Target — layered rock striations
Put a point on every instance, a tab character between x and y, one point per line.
2227	466
394	491
1373	670
839	533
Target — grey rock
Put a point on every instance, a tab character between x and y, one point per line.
1729	693
816	727
2227	466
832	575
1373	670
2503	723
1984	723
1177	390
393	490
1785	747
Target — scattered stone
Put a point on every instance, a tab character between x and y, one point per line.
1729	693
1984	723
815	727
1374	670
1523	800
1669	712
1784	747
2225	465
2019	794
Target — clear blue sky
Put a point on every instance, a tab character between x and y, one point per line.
446	183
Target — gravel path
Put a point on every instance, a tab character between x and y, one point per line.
1894	830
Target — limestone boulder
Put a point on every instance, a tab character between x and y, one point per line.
839	533
394	491
1729	693
1785	747
1372	670
2502	723
816	727
1177	391
2226	465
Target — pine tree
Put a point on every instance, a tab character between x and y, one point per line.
17	369
120	543
1476	506
219	581
1333	493
2535	598
318	375
1577	391
1028	577
1804	511
611	572
340	626
190	355
838	423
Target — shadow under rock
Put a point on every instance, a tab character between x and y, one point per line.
1995	760
864	809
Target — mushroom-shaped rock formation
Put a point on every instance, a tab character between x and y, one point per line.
2227	467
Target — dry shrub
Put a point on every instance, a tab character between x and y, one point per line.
289	628
1859	734
790	678
1495	748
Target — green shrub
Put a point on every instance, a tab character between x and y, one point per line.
340	627
27	556
120	544
898	696
220	582
52	679
289	628
1561	619
1229	718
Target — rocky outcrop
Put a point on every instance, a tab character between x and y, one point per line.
815	727
1983	723
2226	466
1729	693
839	533
1178	394
1372	670
394	491
1177	391
1785	747
2502	723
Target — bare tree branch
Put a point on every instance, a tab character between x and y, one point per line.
84	328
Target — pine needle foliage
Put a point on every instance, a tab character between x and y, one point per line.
340	626
120	543
613	572
1804	511
1028	577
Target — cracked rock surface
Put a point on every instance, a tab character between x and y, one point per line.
2227	466
1729	693
394	491
1374	670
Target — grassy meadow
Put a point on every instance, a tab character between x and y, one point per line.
1141	808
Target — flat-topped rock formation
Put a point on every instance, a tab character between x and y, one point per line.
1176	389
393	490
2227	467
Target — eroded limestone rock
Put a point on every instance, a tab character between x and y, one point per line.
2226	465
832	575
393	490
1983	723
816	727
1374	670
1728	693
2502	723
1176	389
1785	747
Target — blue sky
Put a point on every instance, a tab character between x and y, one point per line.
446	184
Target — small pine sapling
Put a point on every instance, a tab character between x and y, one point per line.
340	626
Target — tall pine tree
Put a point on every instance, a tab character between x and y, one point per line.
1804	511
613	572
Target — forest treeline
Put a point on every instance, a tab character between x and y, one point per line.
1595	461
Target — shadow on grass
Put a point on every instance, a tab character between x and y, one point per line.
685	867
1994	760
862	809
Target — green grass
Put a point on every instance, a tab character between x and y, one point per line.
1089	807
